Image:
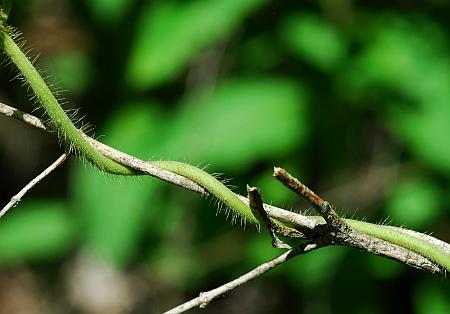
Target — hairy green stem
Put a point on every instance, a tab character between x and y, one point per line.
219	190
214	186
73	138
410	242
64	126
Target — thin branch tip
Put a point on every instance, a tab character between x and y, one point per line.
277	170
18	197
257	207
252	189
325	209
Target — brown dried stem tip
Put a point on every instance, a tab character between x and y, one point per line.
257	208
324	208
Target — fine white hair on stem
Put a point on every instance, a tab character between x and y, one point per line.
307	224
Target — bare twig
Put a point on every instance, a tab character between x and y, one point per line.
257	207
346	235
20	115
309	225
324	208
17	198
206	297
112	153
305	222
146	167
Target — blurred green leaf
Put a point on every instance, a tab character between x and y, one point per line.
114	208
312	38
405	54
410	57
272	189
108	11
431	296
171	33
37	230
240	122
259	53
259	249
414	204
72	70
424	130
313	269
138	128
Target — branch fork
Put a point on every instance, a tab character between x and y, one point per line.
314	232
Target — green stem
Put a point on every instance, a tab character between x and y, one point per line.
66	129
219	190
410	242
209	182
73	138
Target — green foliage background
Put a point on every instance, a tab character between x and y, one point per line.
352	96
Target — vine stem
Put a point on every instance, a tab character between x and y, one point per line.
76	141
331	217
310	225
67	131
